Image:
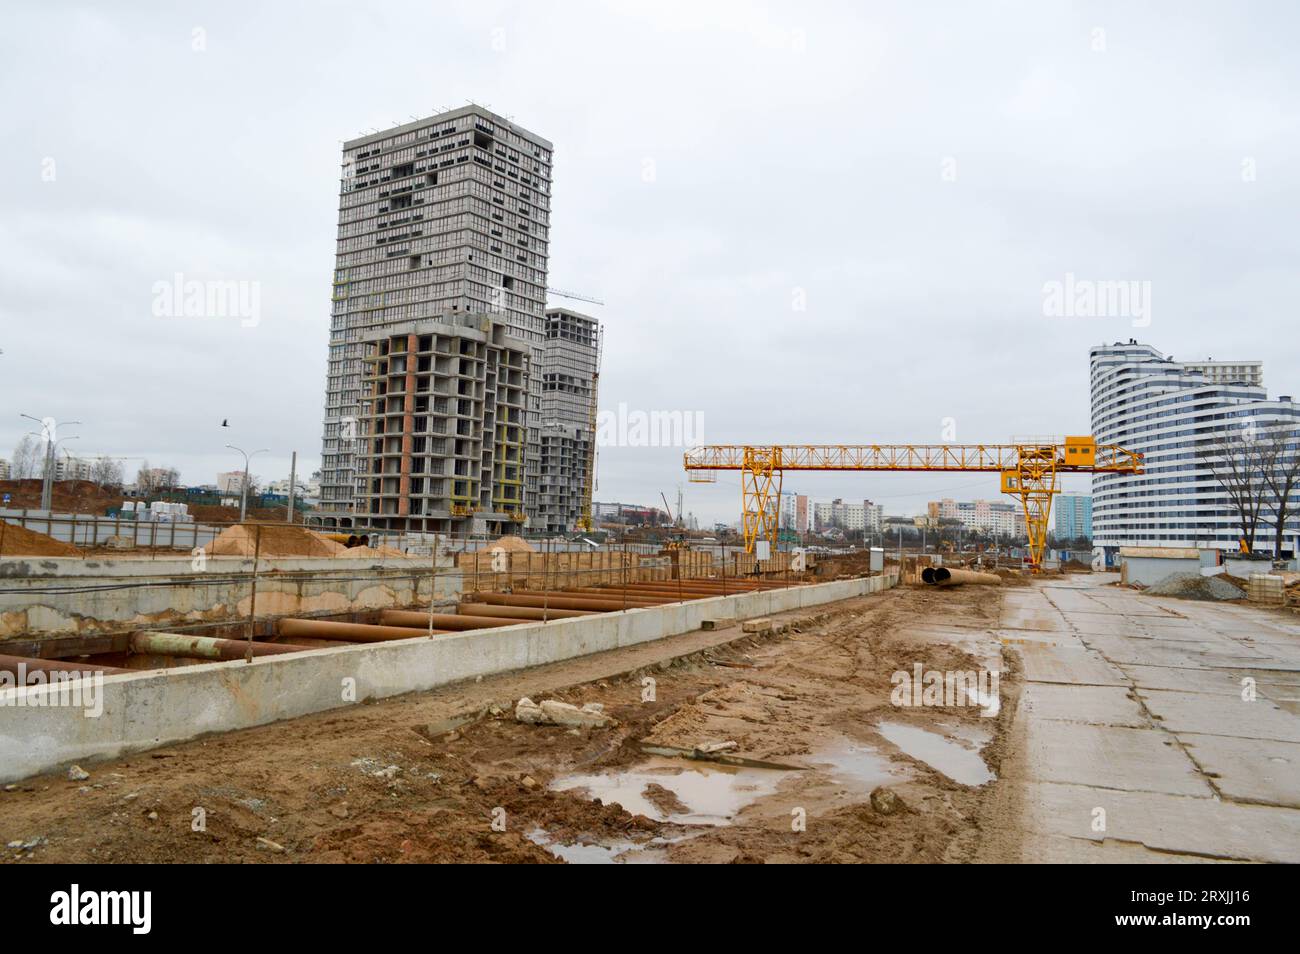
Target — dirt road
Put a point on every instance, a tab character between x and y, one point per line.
450	775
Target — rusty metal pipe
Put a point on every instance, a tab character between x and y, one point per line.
558	601
946	577
204	647
693	592
455	621
309	642
355	632
32	665
613	593
518	613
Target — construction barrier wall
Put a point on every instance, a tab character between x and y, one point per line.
146	710
43	597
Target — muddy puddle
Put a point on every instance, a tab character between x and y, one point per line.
676	790
956	755
615	852
859	765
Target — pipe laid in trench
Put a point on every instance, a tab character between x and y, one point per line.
355	632
440	620
615	594
33	665
518	613
558	601
942	576
672	589
204	647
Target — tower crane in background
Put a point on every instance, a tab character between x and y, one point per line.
1029	471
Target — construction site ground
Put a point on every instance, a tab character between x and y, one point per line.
1110	701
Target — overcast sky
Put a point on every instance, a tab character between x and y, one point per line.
809	222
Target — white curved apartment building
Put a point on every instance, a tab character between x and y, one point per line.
1150	403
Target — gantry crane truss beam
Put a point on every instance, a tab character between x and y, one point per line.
1029	471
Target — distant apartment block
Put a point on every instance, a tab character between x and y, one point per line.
802	514
982	516
4	469
230	482
864	516
73	468
1073	516
443	235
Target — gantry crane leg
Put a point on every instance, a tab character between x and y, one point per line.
1035	484
760	502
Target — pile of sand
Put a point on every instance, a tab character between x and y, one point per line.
1193	586
378	552
512	545
276	541
19	541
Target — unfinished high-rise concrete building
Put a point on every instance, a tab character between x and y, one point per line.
442	259
569	370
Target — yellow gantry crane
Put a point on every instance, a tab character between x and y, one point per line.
1029	471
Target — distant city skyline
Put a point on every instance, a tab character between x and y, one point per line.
882	289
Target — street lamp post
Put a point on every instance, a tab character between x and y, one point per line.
243	490
51	443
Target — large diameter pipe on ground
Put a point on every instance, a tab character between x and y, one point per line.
673	588
946	577
204	647
439	620
33	665
613	593
558	601
310	642
518	613
687	589
355	632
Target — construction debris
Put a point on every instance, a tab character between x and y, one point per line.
885	801
554	712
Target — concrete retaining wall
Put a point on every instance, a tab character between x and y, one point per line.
142	711
66	596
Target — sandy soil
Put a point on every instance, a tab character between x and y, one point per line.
449	775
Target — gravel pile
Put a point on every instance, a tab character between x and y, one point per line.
1193	586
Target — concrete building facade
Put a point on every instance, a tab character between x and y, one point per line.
982	516
569	368
864	516
1171	412
439	219
442	421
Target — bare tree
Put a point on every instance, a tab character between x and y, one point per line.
1280	460
145	480
28	459
107	472
1236	459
